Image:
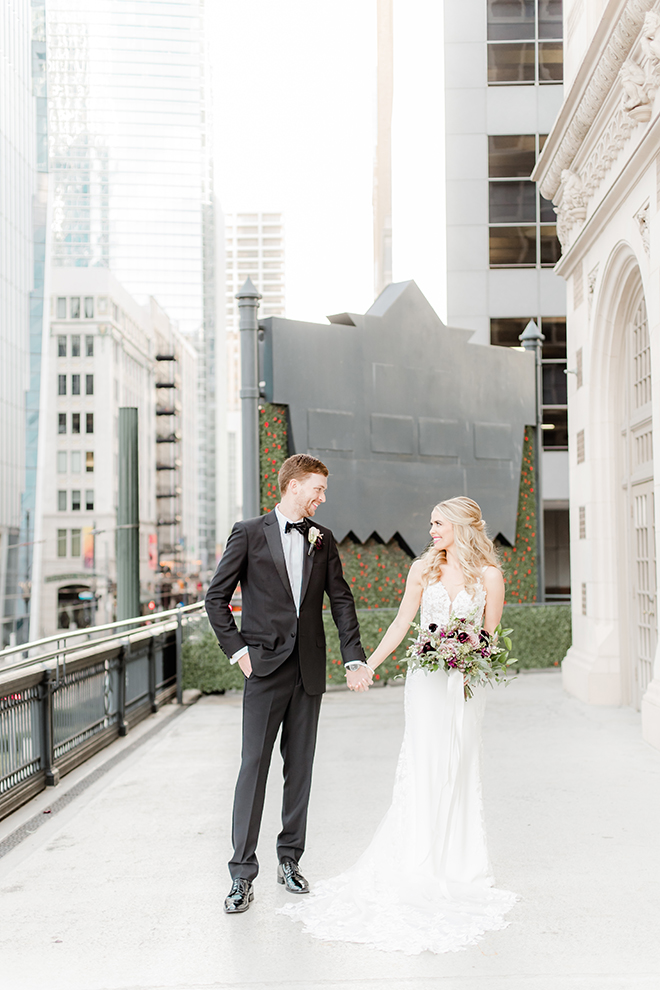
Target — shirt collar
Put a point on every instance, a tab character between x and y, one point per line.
282	519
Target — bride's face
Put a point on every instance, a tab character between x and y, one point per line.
442	532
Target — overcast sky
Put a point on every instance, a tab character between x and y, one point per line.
295	112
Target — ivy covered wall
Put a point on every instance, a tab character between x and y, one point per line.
273	451
519	561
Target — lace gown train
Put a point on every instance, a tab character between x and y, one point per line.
425	881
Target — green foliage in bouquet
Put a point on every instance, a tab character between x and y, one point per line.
273	451
519	561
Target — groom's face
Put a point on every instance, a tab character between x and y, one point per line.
310	493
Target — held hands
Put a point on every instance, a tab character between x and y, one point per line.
360	679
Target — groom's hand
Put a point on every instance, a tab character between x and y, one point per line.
360	679
245	664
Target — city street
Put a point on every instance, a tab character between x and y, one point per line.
123	885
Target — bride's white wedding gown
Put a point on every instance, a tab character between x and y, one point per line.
425	881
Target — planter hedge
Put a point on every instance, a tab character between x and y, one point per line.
541	638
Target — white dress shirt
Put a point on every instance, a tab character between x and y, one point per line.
293	545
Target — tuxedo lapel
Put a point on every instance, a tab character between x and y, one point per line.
308	563
274	541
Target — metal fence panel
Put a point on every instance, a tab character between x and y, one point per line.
80	707
20	737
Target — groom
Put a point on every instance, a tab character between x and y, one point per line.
284	565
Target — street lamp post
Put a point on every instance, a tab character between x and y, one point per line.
532	340
248	303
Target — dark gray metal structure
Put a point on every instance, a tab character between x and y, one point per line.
128	516
405	412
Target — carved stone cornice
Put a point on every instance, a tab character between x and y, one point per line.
615	51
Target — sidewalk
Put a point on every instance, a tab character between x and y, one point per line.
122	889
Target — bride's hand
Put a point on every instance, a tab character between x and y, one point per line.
359	680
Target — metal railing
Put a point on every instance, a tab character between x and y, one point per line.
67	696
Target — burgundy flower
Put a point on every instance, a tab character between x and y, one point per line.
462	637
432	627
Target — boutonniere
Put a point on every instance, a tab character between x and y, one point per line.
315	537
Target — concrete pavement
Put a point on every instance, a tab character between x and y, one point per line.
122	888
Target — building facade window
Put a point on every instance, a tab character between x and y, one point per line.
524	42
75	542
61	501
89	461
61	543
89	499
506	333
89	346
61	422
74	303
75	462
89	307
75	500
61	346
61	461
75	345
522	224
61	384
89	423
75	422
61	308
89	384
75	384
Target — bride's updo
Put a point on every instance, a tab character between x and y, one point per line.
475	550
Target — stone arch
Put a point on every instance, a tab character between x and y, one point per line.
621	290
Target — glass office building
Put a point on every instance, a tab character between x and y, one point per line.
130	159
128	149
17	177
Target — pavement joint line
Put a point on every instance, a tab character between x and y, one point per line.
454	980
42	818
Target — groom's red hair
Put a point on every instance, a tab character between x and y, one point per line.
298	467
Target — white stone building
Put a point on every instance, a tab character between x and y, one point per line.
254	247
106	351
601	168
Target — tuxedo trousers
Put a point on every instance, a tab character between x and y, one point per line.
278	699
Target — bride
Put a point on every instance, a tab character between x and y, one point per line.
425	881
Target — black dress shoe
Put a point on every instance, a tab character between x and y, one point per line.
239	897
289	874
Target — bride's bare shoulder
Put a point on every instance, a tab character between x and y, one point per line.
416	571
492	577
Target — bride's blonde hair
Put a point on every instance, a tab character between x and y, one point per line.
475	550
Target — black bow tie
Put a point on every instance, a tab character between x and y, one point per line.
300	526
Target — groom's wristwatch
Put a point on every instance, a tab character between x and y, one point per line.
354	664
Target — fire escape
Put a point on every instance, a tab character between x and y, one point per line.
168	462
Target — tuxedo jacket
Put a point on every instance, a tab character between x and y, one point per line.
254	558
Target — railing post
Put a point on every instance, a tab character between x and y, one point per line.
122	724
152	674
46	693
179	659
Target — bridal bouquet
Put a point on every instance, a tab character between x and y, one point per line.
462	645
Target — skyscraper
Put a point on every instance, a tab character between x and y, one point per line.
17	186
503	88
130	155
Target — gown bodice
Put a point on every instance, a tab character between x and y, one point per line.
438	607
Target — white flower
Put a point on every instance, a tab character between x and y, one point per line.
313	534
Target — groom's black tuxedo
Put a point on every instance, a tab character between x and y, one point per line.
287	652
